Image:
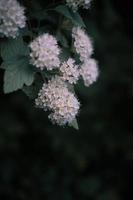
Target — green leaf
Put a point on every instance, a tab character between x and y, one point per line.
33	90
25	32
2	66
11	48
17	73
64	11
67	25
30	91
65	54
60	37
74	124
77	18
68	13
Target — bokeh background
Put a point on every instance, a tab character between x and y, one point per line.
40	161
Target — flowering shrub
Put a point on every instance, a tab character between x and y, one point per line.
45	51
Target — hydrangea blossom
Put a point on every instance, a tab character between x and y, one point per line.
11	18
56	97
82	43
75	4
89	71
45	52
70	71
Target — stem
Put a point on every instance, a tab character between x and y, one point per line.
60	23
30	28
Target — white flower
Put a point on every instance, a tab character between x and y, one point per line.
11	18
70	71
45	52
82	43
56	98
75	4
89	71
66	110
49	91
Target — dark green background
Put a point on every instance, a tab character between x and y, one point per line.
40	161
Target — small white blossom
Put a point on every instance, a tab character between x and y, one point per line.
82	43
67	111
49	91
11	18
45	52
75	4
89	71
70	71
56	98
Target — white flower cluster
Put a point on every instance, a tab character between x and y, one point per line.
89	71
56	97
70	71
83	46
75	4
82	43
11	18
45	52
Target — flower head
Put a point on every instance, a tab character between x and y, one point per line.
89	71
82	43
75	4
11	18
70	71
56	98
45	52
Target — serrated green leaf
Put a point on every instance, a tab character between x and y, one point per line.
17	74
11	48
68	13
74	124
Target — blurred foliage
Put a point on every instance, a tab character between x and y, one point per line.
40	161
